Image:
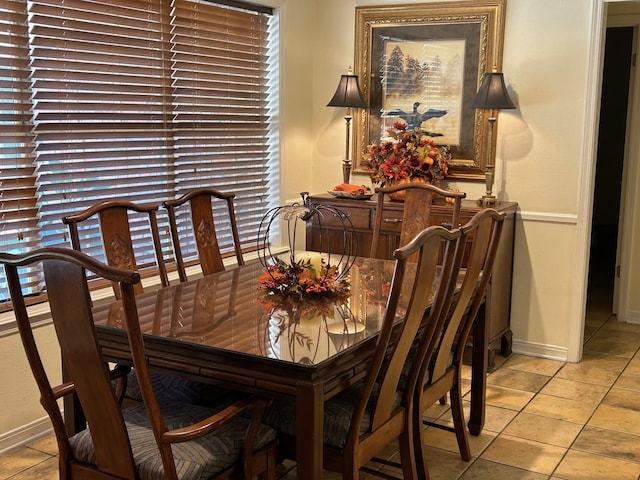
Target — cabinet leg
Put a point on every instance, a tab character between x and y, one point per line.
505	343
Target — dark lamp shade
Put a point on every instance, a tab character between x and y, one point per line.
348	94
492	93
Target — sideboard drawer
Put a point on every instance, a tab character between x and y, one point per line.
391	221
359	217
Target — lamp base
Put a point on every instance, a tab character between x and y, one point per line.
346	170
487	200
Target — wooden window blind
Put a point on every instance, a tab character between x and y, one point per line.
139	100
221	116
102	104
19	230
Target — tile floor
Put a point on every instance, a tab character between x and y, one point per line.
545	419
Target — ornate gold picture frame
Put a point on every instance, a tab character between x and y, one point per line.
423	63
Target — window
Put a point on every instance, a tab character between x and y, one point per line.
139	100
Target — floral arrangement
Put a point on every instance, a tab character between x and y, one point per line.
307	276
410	154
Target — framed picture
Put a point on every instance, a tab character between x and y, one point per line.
423	64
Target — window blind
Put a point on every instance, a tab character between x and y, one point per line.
140	100
18	208
102	105
221	93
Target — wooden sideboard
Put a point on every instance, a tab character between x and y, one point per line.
330	235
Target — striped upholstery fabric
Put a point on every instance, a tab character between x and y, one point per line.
337	416
177	389
197	459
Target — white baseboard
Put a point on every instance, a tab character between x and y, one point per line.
25	434
540	350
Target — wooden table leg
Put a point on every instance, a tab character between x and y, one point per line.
479	364
309	425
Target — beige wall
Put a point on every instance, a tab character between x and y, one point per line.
21	410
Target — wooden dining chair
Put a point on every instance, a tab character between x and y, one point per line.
416	214
118	244
203	229
360	421
440	354
117	240
167	440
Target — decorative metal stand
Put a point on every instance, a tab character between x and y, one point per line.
288	218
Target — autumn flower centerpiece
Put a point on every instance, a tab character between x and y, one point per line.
306	275
409	155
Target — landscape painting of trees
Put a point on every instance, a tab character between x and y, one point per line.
422	83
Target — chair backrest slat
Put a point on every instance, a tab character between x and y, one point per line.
416	214
115	231
203	228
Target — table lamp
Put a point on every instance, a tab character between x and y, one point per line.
492	95
348	95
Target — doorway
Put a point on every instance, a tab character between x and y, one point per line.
609	168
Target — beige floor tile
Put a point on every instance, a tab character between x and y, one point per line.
544	429
484	470
614	325
623	398
47	470
436	411
541	366
445	440
563	388
46	444
578	465
634	365
605	361
628	381
589	331
526	454
581	372
561	408
465	386
19	460
518	379
611	332
506	397
615	348
497	418
608	443
444	465
616	418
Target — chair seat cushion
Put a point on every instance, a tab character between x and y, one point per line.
198	459
338	412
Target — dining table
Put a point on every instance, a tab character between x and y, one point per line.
225	330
